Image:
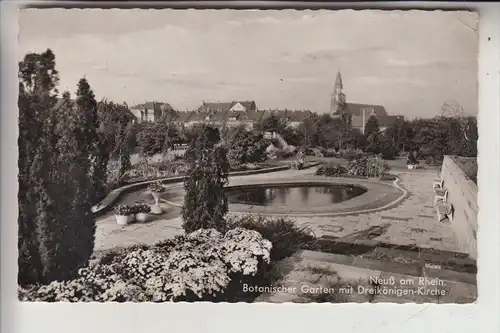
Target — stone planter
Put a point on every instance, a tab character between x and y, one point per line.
141	217
156	209
156	197
122	219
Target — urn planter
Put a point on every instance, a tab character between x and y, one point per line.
141	217
156	209
122	219
124	214
141	211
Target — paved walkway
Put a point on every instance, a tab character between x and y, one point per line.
413	222
109	235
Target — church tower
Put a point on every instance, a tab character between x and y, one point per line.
338	97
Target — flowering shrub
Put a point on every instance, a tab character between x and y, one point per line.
141	208
371	167
242	249
124	210
197	266
145	169
286	236
156	187
376	167
357	167
331	170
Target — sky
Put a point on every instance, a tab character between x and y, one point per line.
412	62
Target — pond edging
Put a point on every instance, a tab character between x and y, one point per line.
390	205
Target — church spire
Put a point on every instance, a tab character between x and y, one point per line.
338	97
338	81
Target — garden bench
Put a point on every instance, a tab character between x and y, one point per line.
438	185
441	198
440	192
444	210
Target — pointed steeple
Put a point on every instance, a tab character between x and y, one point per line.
338	81
338	97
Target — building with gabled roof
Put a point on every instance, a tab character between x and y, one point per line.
358	114
293	117
151	111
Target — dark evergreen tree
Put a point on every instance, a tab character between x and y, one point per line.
205	203
56	226
38	79
371	126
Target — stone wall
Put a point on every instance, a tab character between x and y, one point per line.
462	194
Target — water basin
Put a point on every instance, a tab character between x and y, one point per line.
299	195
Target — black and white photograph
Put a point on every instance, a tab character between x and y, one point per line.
256	156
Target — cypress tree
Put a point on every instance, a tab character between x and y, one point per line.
105	140
205	203
38	79
56	226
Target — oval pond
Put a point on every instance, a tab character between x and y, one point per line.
293	195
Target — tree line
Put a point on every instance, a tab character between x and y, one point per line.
428	138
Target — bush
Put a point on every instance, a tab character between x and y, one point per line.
204	265
371	167
388	151
412	160
124	210
156	187
141	208
357	167
331	170
145	170
246	147
285	235
376	167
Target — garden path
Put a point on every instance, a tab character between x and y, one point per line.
413	222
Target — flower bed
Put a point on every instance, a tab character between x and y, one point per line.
368	167
201	266
146	170
331	170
